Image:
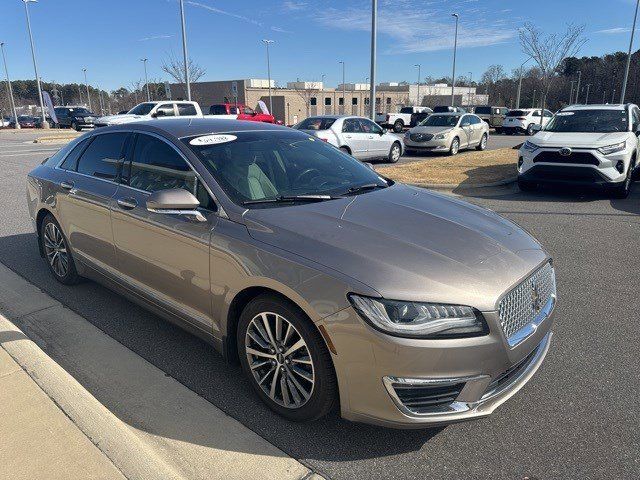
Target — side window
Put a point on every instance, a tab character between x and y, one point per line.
505	111
369	127
313	101
475	120
327	101
71	161
466	120
351	125
248	111
186	109
103	156
547	113
233	110
536	113
165	110
155	165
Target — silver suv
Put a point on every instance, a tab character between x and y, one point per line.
584	145
330	284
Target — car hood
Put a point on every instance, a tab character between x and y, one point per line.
585	140
119	119
406	243
434	130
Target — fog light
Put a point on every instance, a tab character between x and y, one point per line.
520	162
620	166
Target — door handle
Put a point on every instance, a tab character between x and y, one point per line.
370	136
347	136
127	203
66	185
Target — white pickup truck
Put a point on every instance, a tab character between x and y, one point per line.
398	121
151	110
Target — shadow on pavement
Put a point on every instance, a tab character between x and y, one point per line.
196	365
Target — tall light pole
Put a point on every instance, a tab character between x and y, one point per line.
578	87
322	80
9	89
455	48
45	124
520	81
146	79
571	93
626	70
419	76
533	102
586	100
185	55
86	84
472	100
374	35
344	92
267	43
100	100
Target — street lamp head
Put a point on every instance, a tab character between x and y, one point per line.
455	15
268	41
30	1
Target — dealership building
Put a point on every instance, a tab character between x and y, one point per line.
299	100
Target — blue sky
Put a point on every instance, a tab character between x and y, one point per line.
110	37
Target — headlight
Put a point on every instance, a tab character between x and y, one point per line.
609	149
441	136
419	320
530	146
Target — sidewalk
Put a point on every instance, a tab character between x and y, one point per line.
37	439
78	404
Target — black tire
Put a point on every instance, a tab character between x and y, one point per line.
526	186
398	126
623	190
345	150
483	143
323	394
507	131
70	275
530	131
394	153
455	146
75	126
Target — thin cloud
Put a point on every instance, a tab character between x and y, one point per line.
223	12
154	37
280	30
294	5
613	31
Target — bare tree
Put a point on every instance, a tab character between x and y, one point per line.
549	52
494	74
306	94
175	69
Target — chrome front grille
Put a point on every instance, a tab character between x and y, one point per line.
528	304
421	137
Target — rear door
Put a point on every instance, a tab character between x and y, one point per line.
87	190
186	110
164	257
355	138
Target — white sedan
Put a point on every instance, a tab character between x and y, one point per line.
357	136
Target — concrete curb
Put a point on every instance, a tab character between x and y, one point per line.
55	138
449	186
147	423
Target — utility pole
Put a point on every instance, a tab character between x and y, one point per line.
45	124
374	34
146	79
520	82
578	87
84	70
185	55
533	102
571	94
455	48
344	92
418	95
626	70
586	100
101	102
10	90
267	43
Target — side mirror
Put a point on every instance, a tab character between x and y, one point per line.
175	201
536	127
383	131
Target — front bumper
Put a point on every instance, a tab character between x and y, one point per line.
368	363
432	145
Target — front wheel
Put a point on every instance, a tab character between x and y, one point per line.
345	150
286	360
455	146
530	130
624	189
395	153
398	126
483	143
56	251
75	126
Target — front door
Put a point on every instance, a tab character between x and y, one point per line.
378	145
164	257
87	187
355	138
467	128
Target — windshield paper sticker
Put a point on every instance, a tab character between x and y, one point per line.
212	139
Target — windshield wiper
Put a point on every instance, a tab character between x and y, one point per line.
292	198
365	187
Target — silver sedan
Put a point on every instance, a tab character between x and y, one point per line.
357	136
447	133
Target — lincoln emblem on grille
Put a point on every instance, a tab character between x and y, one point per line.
536	299
565	151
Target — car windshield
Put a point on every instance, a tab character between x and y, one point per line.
316	123
265	168
483	110
602	121
440	121
142	109
406	110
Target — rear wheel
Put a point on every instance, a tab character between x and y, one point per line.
530	130
455	146
483	143
286	359
398	126
56	251
395	153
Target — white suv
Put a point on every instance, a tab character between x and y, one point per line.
523	120
584	145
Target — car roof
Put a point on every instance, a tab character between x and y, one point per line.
334	117
186	127
451	114
606	106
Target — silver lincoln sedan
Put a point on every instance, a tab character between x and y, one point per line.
333	286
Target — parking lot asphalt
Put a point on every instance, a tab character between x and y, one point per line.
576	419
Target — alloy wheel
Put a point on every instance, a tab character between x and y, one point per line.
395	153
279	360
56	250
